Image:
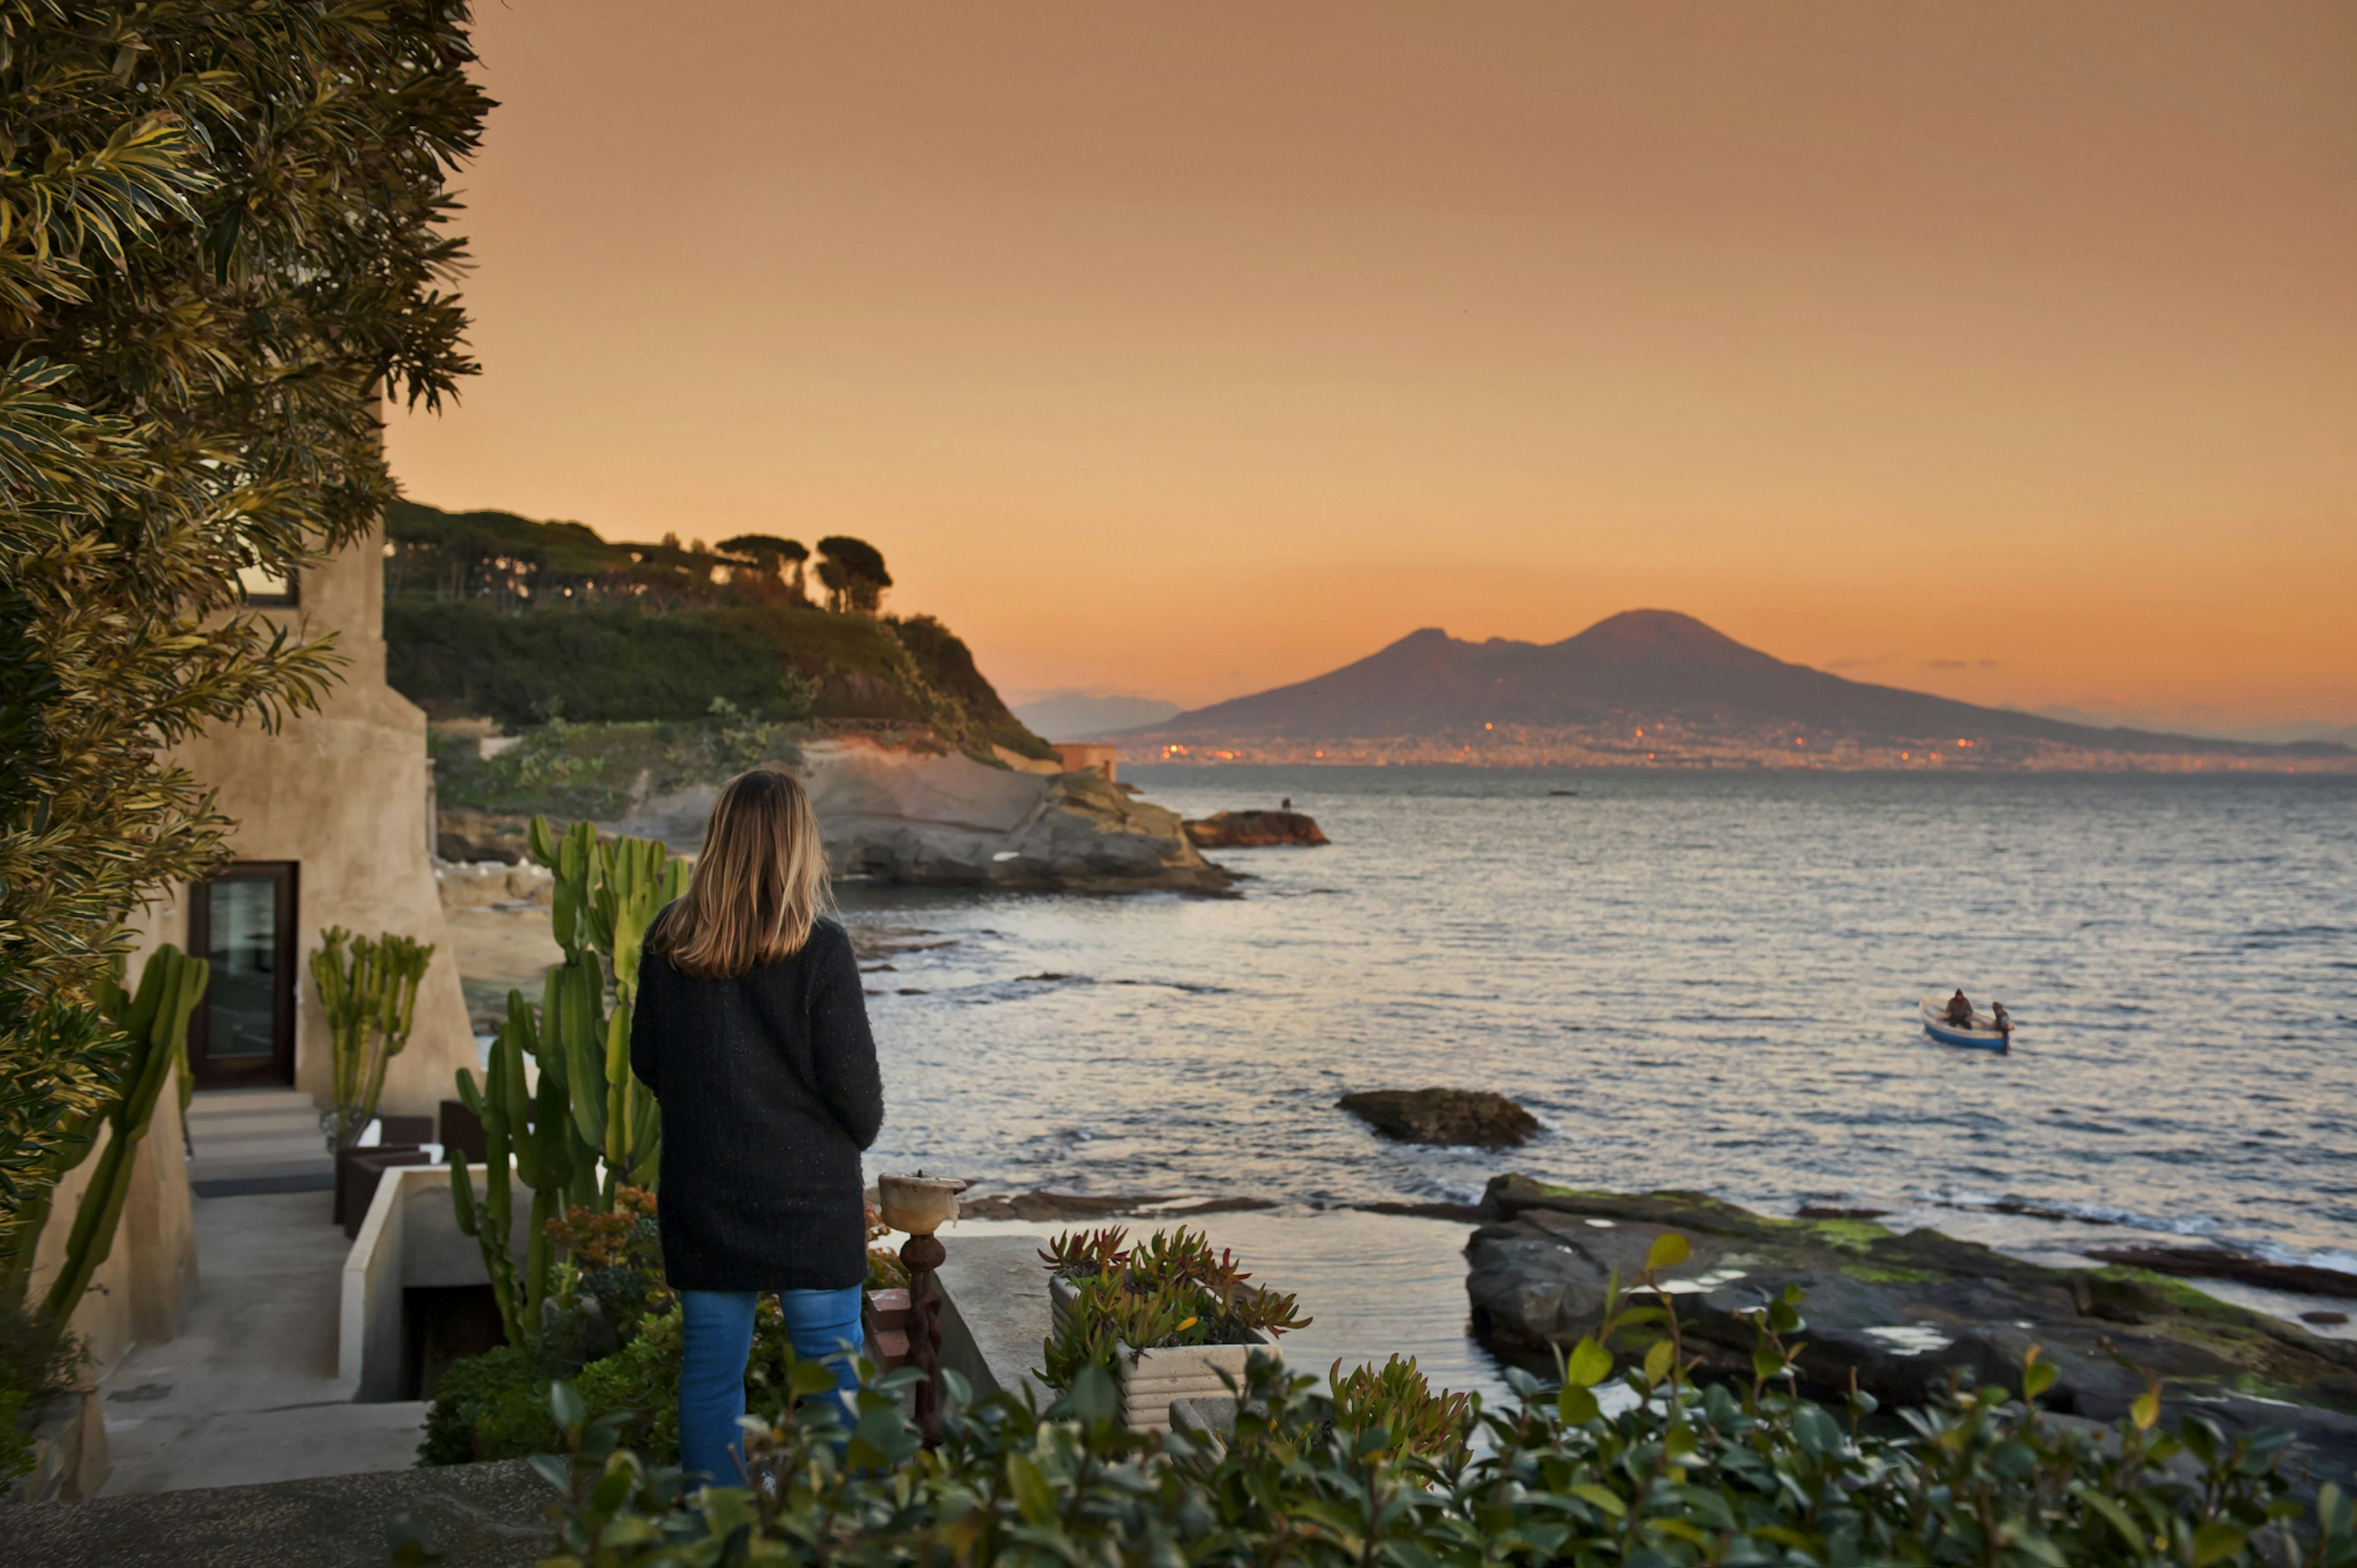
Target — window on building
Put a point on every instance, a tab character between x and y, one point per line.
266	589
243	921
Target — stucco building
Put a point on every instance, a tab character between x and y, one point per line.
331	829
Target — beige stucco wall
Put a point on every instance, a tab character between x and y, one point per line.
143	1289
341	791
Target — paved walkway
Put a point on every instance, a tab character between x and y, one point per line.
479	1516
248	1392
256	1139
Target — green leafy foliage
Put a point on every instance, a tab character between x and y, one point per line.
613	1257
1702	1477
1680	1475
1169	1290
221	245
493	615
596	771
495	1406
1398	1404
614	664
852	572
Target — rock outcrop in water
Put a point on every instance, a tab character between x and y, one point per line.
1255	830
1904	1312
1455	1118
908	812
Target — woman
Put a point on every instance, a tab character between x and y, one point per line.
752	1033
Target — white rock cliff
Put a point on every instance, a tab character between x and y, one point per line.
912	814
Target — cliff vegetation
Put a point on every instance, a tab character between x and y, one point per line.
611	658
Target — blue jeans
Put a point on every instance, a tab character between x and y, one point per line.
718	1333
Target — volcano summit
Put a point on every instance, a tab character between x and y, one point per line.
1654	686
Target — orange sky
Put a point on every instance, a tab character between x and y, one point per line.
2003	350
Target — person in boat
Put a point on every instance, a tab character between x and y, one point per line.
2004	1019
1960	1011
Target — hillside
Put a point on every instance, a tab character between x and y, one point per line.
494	617
1647	685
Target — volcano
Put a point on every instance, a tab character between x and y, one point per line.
1687	684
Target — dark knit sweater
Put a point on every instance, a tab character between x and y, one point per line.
769	1091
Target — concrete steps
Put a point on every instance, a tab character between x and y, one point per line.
256	1139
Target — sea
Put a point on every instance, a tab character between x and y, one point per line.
1703	981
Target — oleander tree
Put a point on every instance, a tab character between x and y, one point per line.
222	242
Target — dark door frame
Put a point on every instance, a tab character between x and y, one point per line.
278	1067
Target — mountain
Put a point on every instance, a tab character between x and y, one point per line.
1648	684
1068	715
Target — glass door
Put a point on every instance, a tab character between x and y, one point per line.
244	921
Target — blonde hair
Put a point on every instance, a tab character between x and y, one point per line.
758	886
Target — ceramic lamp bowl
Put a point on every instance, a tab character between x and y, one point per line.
919	1205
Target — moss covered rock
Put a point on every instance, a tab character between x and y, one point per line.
1903	1312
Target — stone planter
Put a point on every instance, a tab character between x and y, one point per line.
1150	1379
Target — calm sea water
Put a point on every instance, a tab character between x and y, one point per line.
1695	981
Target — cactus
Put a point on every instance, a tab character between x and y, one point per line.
155	1020
590	1126
370	1001
604	897
527	1134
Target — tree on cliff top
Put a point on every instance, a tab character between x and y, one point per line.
854	574
220	242
774	554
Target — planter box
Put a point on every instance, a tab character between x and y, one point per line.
1150	1379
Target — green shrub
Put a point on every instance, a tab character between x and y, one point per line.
592	772
485	1403
1399	1399
495	1405
36	1366
1682	1475
617	663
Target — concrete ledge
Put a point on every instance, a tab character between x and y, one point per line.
995	1312
411	1237
482	1515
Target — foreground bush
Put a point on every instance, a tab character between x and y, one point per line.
608	1273
1681	1474
495	1406
1687	1477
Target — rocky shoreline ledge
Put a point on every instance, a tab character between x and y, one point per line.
908	809
1902	1313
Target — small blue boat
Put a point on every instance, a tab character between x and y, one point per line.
1982	1036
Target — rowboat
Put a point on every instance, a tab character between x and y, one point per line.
1984	1034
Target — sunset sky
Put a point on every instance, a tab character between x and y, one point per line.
2008	351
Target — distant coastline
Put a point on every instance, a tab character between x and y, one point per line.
1506	747
1657	689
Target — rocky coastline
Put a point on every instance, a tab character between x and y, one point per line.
908	809
1903	1313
